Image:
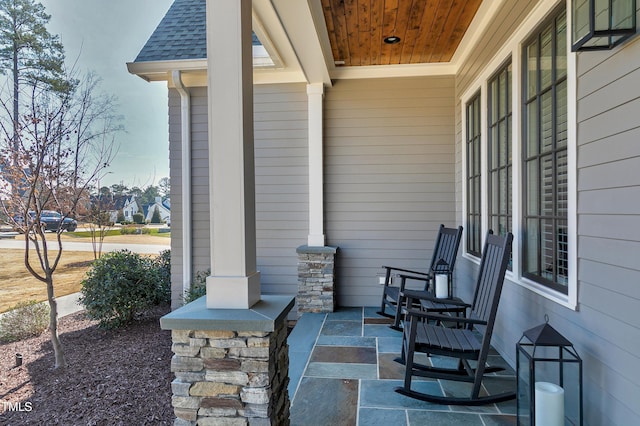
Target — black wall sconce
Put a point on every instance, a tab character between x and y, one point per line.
602	24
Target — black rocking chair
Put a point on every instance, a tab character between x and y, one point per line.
469	343
446	249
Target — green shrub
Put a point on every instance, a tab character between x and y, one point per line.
134	229
130	229
138	218
155	218
198	286
120	217
121	285
26	319
163	263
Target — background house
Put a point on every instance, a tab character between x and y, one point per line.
130	206
408	145
163	206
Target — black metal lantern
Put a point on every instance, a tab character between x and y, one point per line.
602	24
443	284
549	373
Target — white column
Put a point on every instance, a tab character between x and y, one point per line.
234	282
316	238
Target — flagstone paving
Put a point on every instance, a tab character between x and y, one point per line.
343	371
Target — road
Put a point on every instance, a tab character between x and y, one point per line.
77	246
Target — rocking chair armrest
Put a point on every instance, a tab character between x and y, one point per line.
426	279
440	317
427	295
416	294
393	268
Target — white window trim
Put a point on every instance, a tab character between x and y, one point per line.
513	49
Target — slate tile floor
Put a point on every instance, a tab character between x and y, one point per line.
342	372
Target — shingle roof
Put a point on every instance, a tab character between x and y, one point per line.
181	34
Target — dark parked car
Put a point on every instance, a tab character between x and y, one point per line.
52	221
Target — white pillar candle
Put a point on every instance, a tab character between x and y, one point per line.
442	286
549	404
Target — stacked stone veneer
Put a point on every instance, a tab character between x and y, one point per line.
230	378
316	279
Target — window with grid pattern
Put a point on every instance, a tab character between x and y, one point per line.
499	155
473	146
545	161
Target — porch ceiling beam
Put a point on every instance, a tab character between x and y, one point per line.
304	24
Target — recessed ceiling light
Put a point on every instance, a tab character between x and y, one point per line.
392	40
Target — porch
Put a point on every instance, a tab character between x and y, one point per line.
342	371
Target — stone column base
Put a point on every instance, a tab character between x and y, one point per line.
316	279
231	365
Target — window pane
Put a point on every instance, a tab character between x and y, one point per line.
562	190
547	195
532	130
532	187
510	185
493	108
502	100
561	46
502	143
546	56
508	93
508	146
494	223
546	121
502	186
561	115
563	255
532	68
494	146
532	247
546	249
495	192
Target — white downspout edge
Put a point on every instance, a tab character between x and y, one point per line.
185	136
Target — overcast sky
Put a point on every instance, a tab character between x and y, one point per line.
103	35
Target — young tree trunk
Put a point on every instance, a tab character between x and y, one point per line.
58	352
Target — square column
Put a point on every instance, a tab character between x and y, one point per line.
315	94
234	282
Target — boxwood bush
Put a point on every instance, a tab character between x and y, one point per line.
122	285
198	288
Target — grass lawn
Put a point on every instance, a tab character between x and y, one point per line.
17	284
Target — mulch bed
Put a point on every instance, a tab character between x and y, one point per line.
114	377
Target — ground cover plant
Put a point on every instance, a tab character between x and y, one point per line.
25	319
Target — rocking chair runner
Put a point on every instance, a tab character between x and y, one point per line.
446	248
465	344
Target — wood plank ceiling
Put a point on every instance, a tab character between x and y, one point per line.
429	30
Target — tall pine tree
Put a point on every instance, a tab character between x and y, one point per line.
32	55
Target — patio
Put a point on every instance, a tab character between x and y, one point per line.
342	372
